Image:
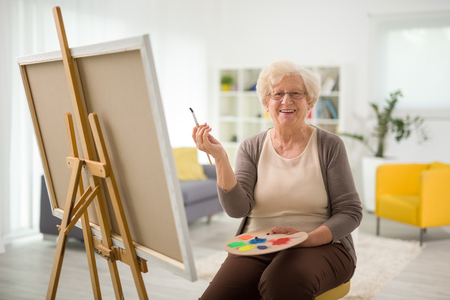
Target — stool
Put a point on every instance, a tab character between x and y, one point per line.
336	293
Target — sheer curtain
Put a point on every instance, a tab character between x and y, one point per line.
5	122
179	42
30	29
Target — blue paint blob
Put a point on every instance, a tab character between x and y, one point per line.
257	240
262	247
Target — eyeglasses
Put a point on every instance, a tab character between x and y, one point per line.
296	95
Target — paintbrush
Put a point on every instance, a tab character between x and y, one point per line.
196	124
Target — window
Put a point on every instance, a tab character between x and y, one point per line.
411	53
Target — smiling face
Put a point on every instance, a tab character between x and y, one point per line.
288	112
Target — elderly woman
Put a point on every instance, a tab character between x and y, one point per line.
293	177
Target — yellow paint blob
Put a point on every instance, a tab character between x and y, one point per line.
246	248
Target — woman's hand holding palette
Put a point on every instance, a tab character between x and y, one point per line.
262	242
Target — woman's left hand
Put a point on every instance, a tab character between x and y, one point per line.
283	230
320	236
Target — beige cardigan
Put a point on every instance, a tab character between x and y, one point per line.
344	205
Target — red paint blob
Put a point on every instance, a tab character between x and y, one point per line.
281	241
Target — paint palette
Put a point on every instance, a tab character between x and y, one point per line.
262	242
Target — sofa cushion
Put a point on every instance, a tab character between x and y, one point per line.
198	190
187	164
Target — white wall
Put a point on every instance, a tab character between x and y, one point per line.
191	38
183	36
256	32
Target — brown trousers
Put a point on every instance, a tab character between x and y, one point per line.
295	273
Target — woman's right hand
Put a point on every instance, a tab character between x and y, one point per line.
207	143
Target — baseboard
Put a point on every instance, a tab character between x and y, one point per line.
4	240
50	237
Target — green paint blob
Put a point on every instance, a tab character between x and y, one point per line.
237	244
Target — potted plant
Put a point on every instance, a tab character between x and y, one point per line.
400	127
386	123
226	82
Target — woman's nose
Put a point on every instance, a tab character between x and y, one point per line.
286	99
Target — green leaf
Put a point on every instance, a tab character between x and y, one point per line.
355	136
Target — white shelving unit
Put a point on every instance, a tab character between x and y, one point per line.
238	113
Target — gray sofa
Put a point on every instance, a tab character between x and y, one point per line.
199	196
48	222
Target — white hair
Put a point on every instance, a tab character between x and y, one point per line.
274	72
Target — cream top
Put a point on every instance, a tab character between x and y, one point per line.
289	192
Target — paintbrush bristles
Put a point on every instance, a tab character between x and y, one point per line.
195	119
196	124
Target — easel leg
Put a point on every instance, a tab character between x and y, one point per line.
101	214
62	239
85	217
91	256
115	280
101	209
118	208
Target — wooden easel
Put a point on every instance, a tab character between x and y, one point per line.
77	210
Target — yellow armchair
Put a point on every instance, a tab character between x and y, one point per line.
415	194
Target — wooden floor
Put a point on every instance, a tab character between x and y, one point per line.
427	277
25	267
